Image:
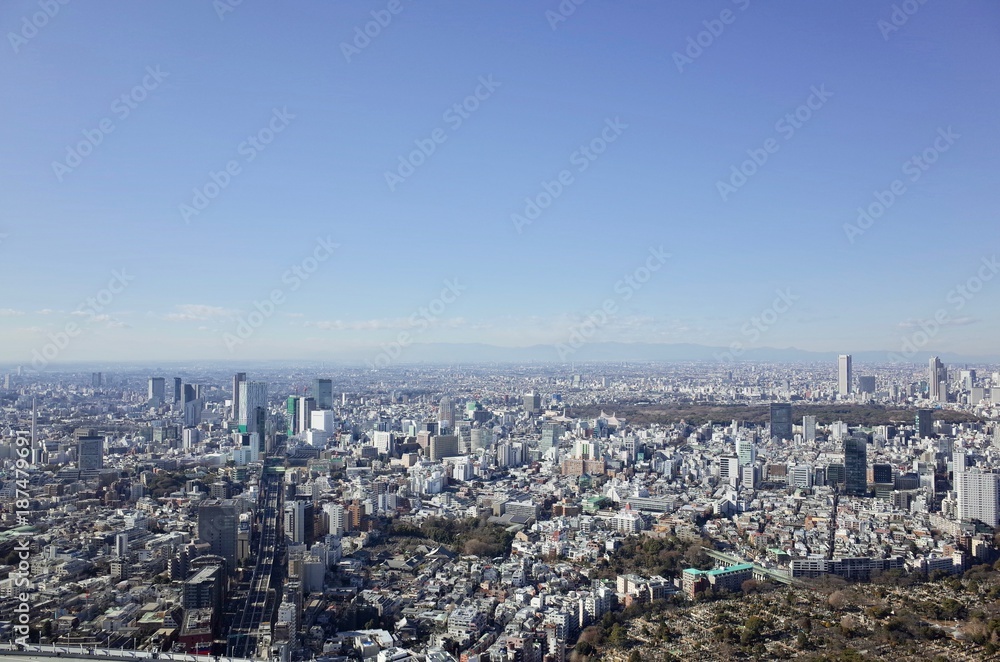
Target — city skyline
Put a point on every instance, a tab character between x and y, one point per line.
322	234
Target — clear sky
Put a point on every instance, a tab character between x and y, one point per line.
330	113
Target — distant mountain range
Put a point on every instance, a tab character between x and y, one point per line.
640	352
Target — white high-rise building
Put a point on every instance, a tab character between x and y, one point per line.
322	420
844	374
729	469
809	428
746	451
977	496
253	401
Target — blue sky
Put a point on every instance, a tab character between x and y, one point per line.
885	97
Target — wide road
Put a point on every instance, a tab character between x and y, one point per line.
261	602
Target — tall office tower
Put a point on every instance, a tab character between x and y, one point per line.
188	393
177	389
323	393
729	470
968	379
936	374
481	438
551	433
845	384
809	428
299	521
442	446
866	384
924	423
746	451
446	412
192	412
253	406
292	415
306	407
89	450
96	379
238	379
532	402
218	523
781	420
856	465
157	390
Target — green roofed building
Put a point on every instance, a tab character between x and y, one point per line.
696	581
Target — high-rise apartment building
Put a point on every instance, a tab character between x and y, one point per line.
252	407
446	412
238	378
845	376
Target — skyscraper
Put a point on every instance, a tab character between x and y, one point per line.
446	412
253	406
746	451
781	420
157	388
238	378
856	465
292	415
866	384
89	451
845	384
218	521
323	393
937	378
924	422
298	521
177	389
532	402
809	428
